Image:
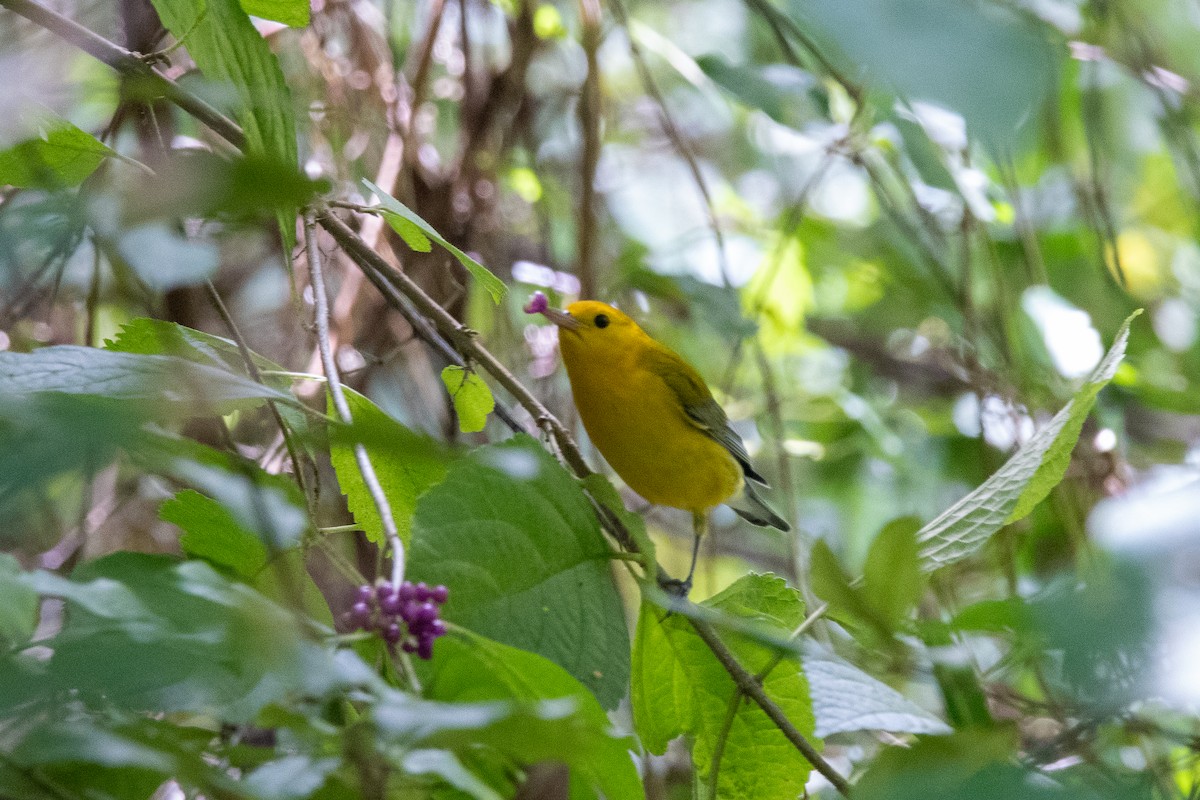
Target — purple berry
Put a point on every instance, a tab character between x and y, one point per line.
360	614
364	594
409	646
409	611
390	605
537	303
406	592
422	592
437	628
426	613
439	594
392	633
425	647
385	590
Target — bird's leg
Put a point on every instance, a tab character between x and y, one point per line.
699	527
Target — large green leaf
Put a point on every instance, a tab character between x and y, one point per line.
1024	480
62	156
160	337
1003	64
471	668
169	383
223	42
393	208
472	398
679	688
405	462
516	540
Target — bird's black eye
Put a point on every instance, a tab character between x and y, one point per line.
601	321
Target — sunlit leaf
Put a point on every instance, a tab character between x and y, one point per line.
290	12
62	156
472	398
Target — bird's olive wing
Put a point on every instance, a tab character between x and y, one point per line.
700	408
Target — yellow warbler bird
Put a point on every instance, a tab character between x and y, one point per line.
653	418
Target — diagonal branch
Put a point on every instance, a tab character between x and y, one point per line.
462	338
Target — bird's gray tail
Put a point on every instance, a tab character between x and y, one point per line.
751	507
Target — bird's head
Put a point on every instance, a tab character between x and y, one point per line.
591	329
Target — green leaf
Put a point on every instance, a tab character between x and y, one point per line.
152	633
446	766
679	688
160	337
269	506
171	384
494	285
413	236
847	699
513	536
62	155
775	90
472	398
18	604
212	533
848	603
471	668
1024	480
293	777
1004	64
406	463
970	764
228	50
892	575
294	13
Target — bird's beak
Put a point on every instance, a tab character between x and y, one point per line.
562	319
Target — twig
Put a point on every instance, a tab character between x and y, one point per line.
339	398
589	157
677	138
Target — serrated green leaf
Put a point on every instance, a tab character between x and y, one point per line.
847	699
63	155
405	462
495	287
224	44
892	579
1024	480
162	338
471	668
212	533
680	688
294	13
472	398
413	236
513	536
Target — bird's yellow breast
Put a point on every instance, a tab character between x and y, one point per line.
638	424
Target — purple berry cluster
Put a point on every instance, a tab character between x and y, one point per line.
407	615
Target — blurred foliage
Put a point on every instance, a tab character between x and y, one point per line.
905	241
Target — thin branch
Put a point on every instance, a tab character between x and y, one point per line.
339	398
589	157
252	370
129	64
678	141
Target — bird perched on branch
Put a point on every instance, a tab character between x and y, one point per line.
653	418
